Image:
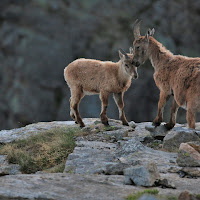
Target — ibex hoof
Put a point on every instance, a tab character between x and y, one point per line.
156	124
82	125
125	123
169	126
105	123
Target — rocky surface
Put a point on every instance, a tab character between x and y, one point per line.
101	162
64	186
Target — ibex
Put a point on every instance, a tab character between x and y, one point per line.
89	76
173	74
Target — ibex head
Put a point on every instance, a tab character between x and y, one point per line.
141	44
127	63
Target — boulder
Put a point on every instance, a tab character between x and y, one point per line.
158	132
189	155
177	136
145	175
191	171
90	157
186	196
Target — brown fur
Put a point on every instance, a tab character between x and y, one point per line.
174	75
89	76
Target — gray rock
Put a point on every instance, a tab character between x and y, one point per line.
117	134
145	175
63	186
177	136
165	183
140	131
115	168
191	171
131	146
90	157
189	155
132	124
158	132
6	168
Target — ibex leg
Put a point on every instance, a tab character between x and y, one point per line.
174	110
104	103
118	97
162	101
191	117
76	96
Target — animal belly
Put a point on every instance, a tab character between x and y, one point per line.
89	92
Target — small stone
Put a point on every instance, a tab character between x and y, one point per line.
165	183
188	156
185	196
191	171
132	124
145	175
158	132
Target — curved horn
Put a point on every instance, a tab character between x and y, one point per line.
136	29
123	52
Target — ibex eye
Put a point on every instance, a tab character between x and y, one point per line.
126	65
137	47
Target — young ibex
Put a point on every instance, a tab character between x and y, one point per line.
88	77
174	75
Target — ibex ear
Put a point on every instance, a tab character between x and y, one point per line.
121	55
148	34
131	50
152	31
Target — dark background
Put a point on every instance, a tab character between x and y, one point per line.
38	38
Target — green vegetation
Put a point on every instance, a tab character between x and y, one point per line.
186	154
45	151
140	193
198	196
110	128
155	144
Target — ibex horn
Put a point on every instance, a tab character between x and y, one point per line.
123	52
136	29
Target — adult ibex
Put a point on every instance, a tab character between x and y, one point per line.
173	74
88	77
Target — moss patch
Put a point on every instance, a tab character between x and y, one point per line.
137	195
198	196
110	128
45	151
